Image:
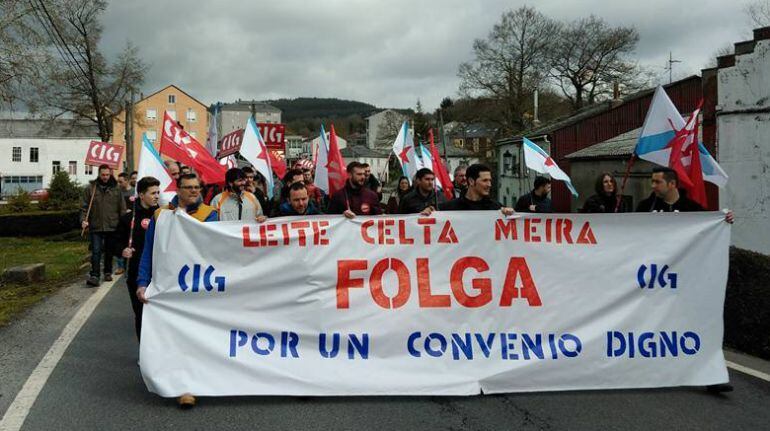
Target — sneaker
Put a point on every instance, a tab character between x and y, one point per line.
186	401
107	277
120	271
92	281
720	388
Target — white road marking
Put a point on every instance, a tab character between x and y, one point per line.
749	371
16	414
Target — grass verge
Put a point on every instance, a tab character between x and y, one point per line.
62	256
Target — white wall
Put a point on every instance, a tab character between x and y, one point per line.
63	150
743	130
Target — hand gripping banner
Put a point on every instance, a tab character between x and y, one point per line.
453	304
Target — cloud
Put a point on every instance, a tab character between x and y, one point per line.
385	53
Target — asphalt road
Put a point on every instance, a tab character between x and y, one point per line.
97	385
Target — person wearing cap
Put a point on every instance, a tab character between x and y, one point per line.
235	203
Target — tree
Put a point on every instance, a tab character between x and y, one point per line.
589	57
509	64
83	84
20	49
759	13
388	129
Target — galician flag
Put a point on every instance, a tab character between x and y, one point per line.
151	165
254	150
213	137
661	126
538	160
321	160
403	148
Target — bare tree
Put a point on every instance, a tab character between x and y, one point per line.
84	83
509	64
590	56
759	13
388	129
21	51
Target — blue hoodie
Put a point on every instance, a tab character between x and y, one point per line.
145	265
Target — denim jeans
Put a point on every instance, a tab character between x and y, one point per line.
101	244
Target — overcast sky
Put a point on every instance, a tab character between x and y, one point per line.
387	53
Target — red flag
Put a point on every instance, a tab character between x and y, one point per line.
440	170
180	146
336	165
277	165
685	159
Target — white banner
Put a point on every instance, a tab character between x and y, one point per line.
454	304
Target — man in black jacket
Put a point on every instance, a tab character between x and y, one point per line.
477	196
132	240
102	207
423	195
665	195
536	201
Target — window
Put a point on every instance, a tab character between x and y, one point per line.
16	155
34	155
89	170
73	168
191	116
152	135
171	99
152	114
55	167
171	114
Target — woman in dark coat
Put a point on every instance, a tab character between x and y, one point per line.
395	199
606	198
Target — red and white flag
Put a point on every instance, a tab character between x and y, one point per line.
180	146
335	167
439	170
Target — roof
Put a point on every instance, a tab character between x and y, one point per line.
588	112
475	130
620	146
355	151
245	105
177	88
44	128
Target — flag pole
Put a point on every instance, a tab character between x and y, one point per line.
625	180
90	204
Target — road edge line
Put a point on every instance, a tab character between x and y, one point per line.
746	370
17	412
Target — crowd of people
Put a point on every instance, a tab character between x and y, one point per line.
120	214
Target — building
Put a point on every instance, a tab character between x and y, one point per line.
35	149
295	147
597	124
742	130
148	116
476	137
382	128
234	116
376	158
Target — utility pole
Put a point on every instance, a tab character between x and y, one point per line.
441	126
670	66
130	133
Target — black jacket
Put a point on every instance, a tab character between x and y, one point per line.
656	204
464	204
603	203
542	204
141	223
414	202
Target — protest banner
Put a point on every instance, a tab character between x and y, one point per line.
452	304
104	153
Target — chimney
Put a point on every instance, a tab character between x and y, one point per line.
535	119
141	96
615	90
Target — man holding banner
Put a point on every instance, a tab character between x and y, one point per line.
188	200
477	195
